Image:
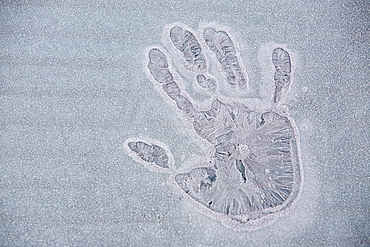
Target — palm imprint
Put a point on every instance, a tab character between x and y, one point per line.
255	173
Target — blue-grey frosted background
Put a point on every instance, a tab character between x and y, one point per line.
73	89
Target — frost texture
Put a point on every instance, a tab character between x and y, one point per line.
255	170
220	43
150	153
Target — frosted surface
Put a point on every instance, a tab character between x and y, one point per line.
76	89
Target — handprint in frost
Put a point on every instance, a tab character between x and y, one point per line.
255	171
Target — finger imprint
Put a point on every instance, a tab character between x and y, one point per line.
158	67
150	153
282	64
220	43
185	42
